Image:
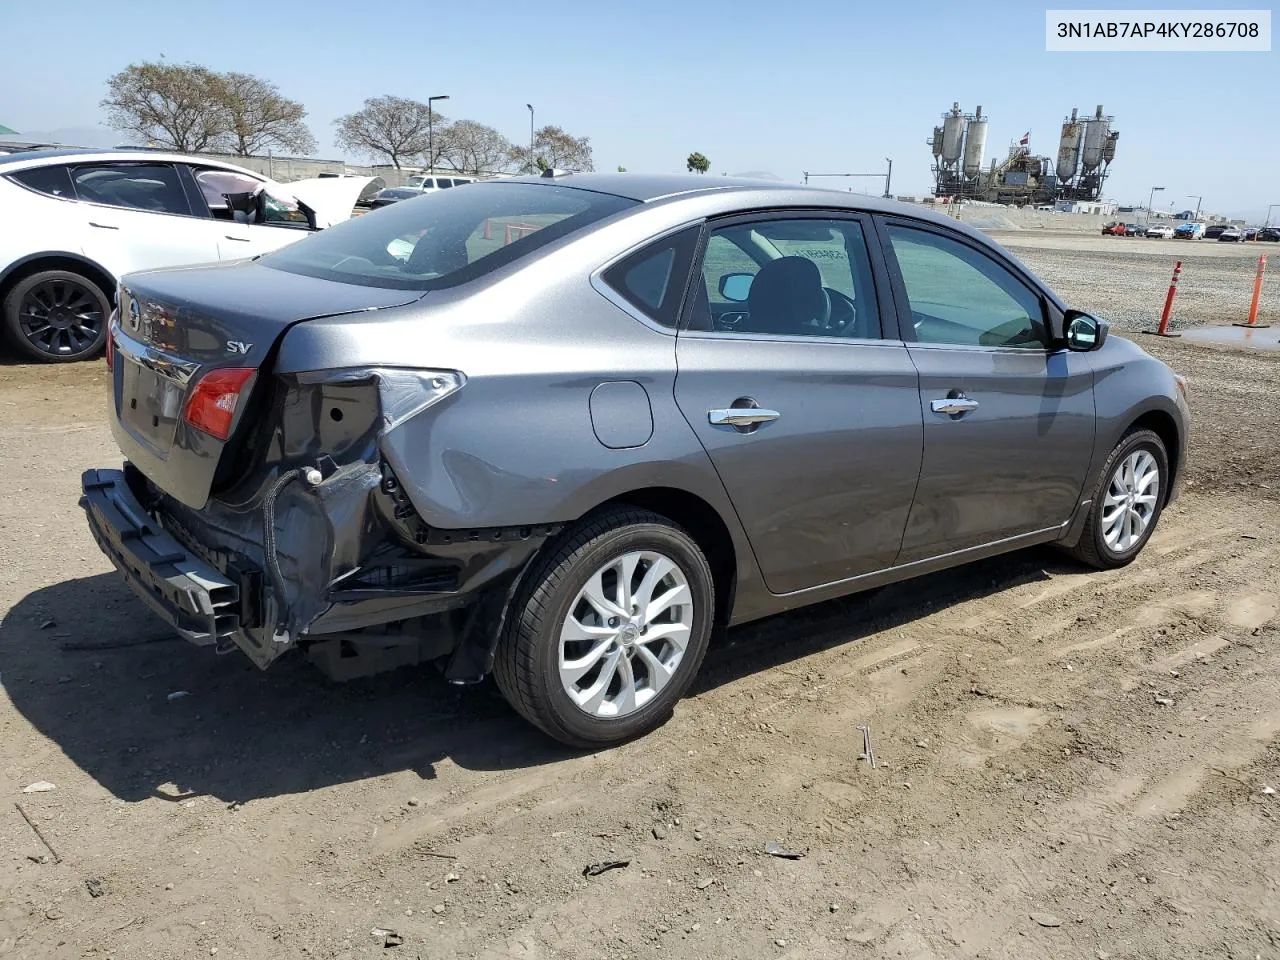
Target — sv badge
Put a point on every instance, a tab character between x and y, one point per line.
238	346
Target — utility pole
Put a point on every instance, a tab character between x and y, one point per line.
431	133
1191	196
887	178
1150	197
532	165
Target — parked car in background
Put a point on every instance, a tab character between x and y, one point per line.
1269	234
75	221
1249	233
1189	231
1231	235
1114	229
1163	231
389	195
560	427
430	183
1134	230
1215	231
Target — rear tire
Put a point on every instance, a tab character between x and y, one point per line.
581	674
1122	518
56	316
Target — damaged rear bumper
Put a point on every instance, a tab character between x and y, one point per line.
198	601
205	573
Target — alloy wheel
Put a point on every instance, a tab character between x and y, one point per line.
625	634
61	317
1130	502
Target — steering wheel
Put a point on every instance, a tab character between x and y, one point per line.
842	313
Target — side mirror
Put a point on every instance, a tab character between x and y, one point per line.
736	286
1084	332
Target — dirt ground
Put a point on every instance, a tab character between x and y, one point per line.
1070	764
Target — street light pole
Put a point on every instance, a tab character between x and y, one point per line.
532	165
431	133
887	178
1192	196
1269	209
1150	197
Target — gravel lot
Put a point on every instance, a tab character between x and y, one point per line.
1071	764
1126	278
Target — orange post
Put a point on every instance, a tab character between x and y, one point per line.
1163	329
1257	294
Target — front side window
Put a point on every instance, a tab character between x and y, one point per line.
54	181
962	297
153	187
443	239
793	277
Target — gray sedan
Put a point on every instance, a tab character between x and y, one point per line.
556	429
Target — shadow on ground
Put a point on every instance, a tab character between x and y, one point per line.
147	715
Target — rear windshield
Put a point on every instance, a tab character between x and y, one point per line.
443	239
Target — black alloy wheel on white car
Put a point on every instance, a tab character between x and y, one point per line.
56	316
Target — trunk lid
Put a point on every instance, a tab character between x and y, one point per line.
176	326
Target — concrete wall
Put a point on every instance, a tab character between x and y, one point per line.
985	217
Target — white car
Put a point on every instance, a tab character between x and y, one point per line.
430	183
75	221
1162	230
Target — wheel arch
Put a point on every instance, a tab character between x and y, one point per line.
1162	424
704	523
20	269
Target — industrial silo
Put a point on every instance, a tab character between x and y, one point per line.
1069	148
975	144
1095	140
952	134
936	142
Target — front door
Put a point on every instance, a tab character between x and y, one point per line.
808	410
1008	422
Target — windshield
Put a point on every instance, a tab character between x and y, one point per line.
443	239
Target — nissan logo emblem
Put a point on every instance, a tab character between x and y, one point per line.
135	314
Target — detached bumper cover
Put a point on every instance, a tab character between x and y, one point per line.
191	596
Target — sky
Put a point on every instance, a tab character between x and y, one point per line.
830	87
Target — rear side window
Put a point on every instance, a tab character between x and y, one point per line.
443	182
139	186
653	279
443	239
55	181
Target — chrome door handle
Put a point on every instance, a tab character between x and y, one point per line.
953	406
238	239
103	226
741	416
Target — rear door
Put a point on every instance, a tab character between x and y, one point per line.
137	215
1008	421
807	406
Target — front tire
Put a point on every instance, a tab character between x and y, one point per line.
608	630
56	316
1127	503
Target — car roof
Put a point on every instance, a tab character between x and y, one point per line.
27	159
652	188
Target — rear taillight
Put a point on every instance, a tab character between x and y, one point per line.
212	405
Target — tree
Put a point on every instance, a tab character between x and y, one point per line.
192	109
393	127
553	147
697	163
621	168
173	105
471	147
258	117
